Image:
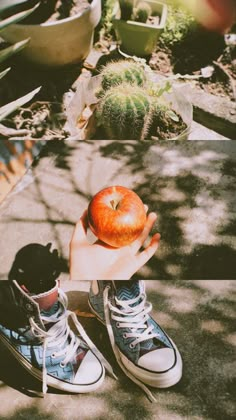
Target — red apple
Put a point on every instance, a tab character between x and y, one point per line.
116	216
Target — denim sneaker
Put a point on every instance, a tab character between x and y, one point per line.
142	348
45	344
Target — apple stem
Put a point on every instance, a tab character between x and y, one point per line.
114	204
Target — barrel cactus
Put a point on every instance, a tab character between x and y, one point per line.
121	71
124	112
142	12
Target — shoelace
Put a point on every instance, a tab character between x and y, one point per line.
59	335
132	314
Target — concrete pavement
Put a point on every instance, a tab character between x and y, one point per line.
190	185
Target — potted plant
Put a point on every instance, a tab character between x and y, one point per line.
126	101
138	24
8	52
65	37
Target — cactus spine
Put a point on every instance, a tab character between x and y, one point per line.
124	112
122	71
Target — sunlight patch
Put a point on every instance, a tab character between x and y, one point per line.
212	326
201	224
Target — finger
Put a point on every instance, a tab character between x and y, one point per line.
80	232
136	245
144	256
104	245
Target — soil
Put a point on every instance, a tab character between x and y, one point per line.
54	10
198	50
222	82
68	8
160	61
38	120
216	86
44	116
167	128
153	20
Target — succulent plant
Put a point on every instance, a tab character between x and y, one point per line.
159	109
128	71
126	9
164	120
142	12
11	50
124	112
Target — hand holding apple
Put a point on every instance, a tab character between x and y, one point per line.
116	216
99	261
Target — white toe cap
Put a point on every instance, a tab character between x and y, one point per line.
158	360
90	370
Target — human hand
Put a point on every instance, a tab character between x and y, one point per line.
99	261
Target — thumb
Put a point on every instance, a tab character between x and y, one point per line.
80	232
143	257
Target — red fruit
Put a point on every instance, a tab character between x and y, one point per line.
116	216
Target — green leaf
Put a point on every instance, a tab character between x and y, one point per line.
172	115
13	49
12	106
165	89
7	4
16	18
4	72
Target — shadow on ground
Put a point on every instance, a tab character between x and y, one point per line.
191	186
192	197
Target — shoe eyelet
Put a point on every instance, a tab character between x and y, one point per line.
131	346
124	335
53	356
29	307
117	325
62	365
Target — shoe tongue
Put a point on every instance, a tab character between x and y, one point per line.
47	301
51	310
127	289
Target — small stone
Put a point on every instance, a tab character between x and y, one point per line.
207	72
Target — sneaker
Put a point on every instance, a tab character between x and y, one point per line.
46	346
142	348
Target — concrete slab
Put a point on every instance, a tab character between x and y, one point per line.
200	132
214	112
190	185
198	315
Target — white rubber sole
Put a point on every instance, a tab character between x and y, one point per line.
154	379
51	381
